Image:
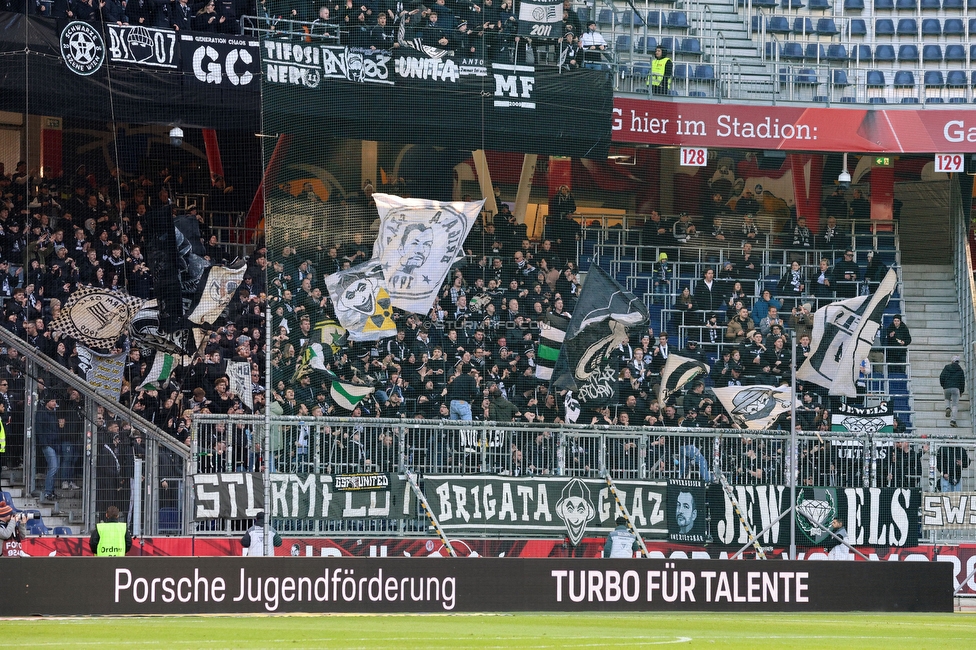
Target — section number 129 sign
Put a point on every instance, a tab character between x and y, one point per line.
949	162
694	156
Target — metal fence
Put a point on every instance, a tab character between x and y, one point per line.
343	445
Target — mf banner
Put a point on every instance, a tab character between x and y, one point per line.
949	511
555	506
446	100
163	586
873	516
305	496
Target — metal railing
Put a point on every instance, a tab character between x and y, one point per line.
960	224
435	447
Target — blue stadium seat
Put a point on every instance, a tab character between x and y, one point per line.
771	53
169	519
909	100
63	530
691	46
697	93
956	79
947	5
848	100
628	18
6	496
791	51
972	26
655	18
904	79
884	5
682	71
818	5
814	52
827	27
958	100
646	44
932	53
823	99
778	25
853	5
858	27
705	73
605	18
805	76
934	100
641	70
583	13
861	53
765	4
37	527
955	52
622	43
677	20
906	5
802	26
669	43
933	78
884	27
931	27
907	52
972	52
875	79
973	78
884	53
840	78
907	27
792	4
877	100
836	52
953	27
756	23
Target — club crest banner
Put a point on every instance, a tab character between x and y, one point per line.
875	419
96	317
754	407
418	242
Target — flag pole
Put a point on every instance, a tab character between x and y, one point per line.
793	443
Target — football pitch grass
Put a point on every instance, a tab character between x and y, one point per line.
888	631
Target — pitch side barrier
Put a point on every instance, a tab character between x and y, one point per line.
311	585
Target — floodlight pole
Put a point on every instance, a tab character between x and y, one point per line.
626	515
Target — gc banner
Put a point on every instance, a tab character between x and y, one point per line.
218	585
554	506
225	61
305	496
541	18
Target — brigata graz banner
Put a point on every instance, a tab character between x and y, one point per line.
114	586
302	496
532	505
462	103
873	516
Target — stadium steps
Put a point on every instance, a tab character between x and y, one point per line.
923	231
757	80
51	516
932	315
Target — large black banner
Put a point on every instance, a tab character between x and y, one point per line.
456	102
873	516
214	585
305	496
129	74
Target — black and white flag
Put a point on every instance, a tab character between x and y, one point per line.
362	303
677	372
541	18
97	317
754	407
601	298
418	242
843	334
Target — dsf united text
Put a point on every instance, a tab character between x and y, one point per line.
673	585
334	585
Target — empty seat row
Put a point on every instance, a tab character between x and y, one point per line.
647	44
931	79
812	5
654	18
931	53
910	27
910	5
801	26
702	72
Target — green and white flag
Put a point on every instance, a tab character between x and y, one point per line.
158	376
347	396
316	358
550	342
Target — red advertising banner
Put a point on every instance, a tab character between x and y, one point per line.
793	128
962	557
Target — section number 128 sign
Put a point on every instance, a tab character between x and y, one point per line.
694	156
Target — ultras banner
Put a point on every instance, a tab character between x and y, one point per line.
533	505
449	101
305	496
129	74
166	586
873	516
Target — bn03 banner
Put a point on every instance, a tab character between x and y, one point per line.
302	496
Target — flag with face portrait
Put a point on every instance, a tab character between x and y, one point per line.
417	243
754	407
687	511
362	303
843	334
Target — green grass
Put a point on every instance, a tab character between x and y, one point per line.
888	631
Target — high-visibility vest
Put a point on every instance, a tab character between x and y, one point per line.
111	539
658	66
